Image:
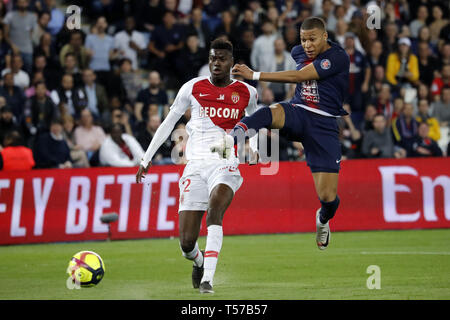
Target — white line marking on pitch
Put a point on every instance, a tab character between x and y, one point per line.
406	253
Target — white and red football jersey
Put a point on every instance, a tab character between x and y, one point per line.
214	111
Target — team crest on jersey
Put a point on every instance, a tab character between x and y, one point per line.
325	64
235	97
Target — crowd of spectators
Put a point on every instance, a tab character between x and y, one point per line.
95	96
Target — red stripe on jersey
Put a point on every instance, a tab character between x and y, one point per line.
224	106
242	125
211	254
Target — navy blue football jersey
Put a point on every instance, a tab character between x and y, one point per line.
326	95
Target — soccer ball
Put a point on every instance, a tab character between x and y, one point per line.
86	268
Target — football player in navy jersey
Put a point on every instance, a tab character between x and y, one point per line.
322	77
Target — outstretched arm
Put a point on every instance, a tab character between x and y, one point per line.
160	136
308	72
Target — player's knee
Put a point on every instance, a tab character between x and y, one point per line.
277	116
187	243
214	216
327	194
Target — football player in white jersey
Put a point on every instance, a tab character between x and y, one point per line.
209	181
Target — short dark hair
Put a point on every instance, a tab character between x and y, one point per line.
56	120
222	45
313	22
14	137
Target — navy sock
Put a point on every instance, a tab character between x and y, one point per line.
328	209
262	118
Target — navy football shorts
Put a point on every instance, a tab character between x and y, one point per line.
318	134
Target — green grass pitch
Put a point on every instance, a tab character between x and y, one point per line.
414	265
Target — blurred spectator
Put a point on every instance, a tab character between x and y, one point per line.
328	14
179	148
120	149
439	82
70	67
19	25
191	58
48	50
21	78
150	15
274	16
41	27
121	117
14	156
227	27
51	150
424	36
424	116
101	47
113	10
130	43
424	145
402	66
357	25
75	46
78	156
383	102
39	111
7	122
68	98
244	47
420	21
378	143
291	37
49	76
154	94
444	36
399	103
290	11
360	74
377	81
97	100
390	37
87	135
404	129
130	80
145	135
376	56
262	54
199	26
441	108
5	50
38	76
438	23
444	54
14	96
369	114
165	46
423	92
266	98
427	64
57	17
350	137
282	61
248	22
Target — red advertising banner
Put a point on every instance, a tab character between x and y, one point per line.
66	205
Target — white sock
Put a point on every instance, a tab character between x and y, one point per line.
194	255
213	245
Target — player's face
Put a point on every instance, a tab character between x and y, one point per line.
313	41
220	63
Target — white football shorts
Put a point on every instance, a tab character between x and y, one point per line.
199	179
